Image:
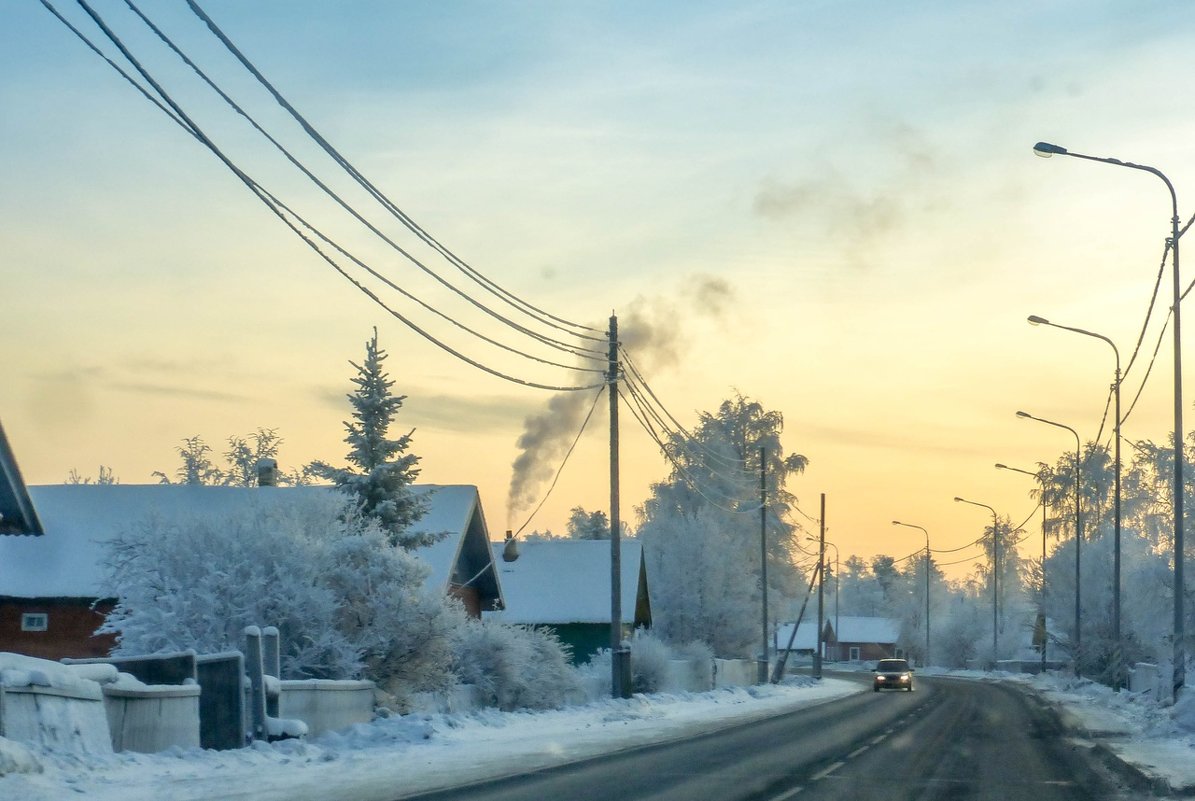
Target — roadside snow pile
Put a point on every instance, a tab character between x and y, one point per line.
16	758
1183	711
1104	711
410	753
17	670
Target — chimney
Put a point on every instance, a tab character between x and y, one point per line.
510	551
267	473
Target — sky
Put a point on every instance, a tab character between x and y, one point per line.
831	208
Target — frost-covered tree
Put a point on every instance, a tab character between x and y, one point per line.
197	466
584	525
106	477
701	529
346	603
705	585
241	461
381	471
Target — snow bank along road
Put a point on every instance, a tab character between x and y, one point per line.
951	739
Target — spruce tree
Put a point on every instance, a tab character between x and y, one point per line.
382	471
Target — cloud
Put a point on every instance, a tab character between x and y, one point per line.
145	388
892	185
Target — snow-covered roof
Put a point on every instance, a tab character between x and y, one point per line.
866	629
463	557
17	515
558	581
806	636
79	519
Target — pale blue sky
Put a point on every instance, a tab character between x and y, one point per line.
859	173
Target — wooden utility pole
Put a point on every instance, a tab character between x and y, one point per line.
620	685
821	590
763	560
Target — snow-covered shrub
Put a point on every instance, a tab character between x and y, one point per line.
695	651
649	663
345	602
514	667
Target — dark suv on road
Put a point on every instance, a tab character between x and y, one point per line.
894	674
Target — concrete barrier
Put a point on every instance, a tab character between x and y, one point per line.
686	675
68	720
326	705
1143	678
151	718
735	673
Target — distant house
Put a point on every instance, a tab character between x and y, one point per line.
53	591
805	642
564	585
862	639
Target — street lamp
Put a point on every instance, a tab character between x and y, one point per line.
910	525
1045	150
1035	320
1078	525
995	573
1039	478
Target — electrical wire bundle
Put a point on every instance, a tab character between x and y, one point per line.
505	335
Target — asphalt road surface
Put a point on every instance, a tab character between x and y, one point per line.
950	740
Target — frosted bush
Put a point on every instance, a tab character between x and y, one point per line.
346	603
650	658
514	667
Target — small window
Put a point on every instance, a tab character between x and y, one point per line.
35	621
854	653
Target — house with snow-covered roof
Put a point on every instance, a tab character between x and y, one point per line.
54	592
854	639
564	585
805	641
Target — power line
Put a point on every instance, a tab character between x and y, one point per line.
280	209
526	308
372	228
1149	368
636	412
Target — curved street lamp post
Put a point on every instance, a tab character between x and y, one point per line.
995	574
1116	657
910	525
1046	150
1078	526
1038	477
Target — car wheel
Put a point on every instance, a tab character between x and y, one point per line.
877	689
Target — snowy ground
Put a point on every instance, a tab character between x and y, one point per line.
1159	741
415	753
409	754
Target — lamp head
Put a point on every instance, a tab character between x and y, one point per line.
1035	320
896	522
1001	466
1023	414
957	499
1045	150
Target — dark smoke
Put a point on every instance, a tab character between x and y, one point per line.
651	331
